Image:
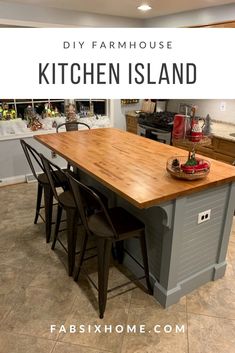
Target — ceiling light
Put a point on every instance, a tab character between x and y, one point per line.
144	7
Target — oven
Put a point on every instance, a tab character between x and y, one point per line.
154	133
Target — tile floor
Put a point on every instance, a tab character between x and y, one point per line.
35	292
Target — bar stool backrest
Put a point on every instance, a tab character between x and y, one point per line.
51	171
32	156
71	126
83	196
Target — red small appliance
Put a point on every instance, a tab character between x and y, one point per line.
178	126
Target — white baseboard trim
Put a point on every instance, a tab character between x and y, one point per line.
13	180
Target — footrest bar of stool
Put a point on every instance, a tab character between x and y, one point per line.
89	257
43	219
91	280
62	230
114	288
133	258
126	283
63	246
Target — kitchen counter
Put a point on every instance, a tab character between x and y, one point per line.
223	130
132	122
17	128
133	113
131	171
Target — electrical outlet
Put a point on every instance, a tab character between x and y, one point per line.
204	216
53	154
223	106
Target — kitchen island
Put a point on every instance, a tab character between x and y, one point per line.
132	171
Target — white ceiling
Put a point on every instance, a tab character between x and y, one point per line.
125	8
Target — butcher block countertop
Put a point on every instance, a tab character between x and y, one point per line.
132	166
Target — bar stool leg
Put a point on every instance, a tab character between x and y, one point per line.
72	227
120	251
104	251
145	262
81	256
38	204
48	201
57	226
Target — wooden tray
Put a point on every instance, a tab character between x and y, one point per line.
205	141
180	174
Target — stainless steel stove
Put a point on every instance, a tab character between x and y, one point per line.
156	126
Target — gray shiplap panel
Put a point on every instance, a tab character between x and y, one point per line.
215	217
201	229
200	242
216	214
203	245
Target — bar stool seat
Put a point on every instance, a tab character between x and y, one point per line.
107	226
61	179
66	199
123	222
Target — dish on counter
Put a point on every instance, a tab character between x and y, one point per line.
179	167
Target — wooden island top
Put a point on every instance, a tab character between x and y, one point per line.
132	166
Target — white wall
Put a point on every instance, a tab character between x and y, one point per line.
35	16
14	166
209	106
118	111
194	18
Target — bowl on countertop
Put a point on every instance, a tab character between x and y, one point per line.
176	167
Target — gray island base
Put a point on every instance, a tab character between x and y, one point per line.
183	255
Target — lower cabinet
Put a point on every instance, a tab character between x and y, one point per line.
131	123
224	149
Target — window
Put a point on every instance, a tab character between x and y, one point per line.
85	107
95	106
20	105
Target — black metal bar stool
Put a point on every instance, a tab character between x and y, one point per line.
65	201
72	126
33	158
107	226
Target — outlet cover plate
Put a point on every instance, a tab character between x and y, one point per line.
204	216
